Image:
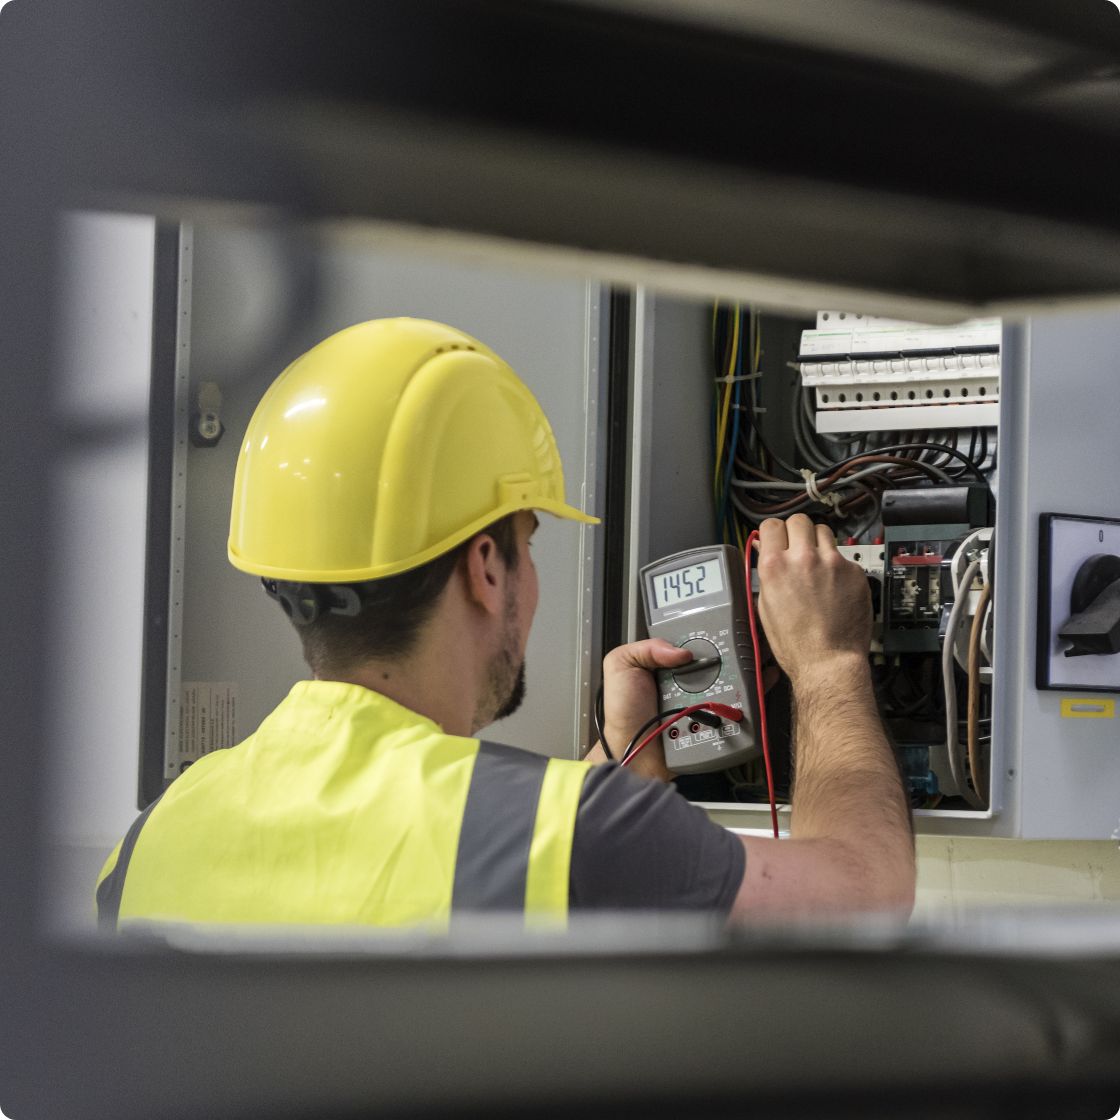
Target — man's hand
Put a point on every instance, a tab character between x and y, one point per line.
814	604
851	846
630	698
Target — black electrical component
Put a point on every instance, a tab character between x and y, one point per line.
921	531
971	506
917	585
1094	627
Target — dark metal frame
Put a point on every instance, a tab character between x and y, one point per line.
620	361
161	450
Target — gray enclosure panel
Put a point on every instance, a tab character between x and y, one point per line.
1059	454
262	298
671	506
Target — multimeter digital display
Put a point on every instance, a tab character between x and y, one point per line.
697	600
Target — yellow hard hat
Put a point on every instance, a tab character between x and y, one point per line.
384	446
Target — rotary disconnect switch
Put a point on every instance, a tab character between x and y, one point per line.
704	669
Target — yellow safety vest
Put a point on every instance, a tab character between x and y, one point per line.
346	808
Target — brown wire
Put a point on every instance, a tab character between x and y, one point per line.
979	782
838	474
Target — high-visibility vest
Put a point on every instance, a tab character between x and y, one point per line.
346	808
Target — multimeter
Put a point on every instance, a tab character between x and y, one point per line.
697	600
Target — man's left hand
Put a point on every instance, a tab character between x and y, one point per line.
630	699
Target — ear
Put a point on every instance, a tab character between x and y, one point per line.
485	574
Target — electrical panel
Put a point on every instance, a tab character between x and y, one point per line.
935	496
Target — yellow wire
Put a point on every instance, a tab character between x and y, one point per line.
725	411
715	401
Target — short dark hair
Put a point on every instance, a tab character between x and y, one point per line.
393	610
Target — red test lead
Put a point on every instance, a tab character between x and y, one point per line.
764	738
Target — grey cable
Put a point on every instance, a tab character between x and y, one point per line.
952	736
805	447
875	514
875	468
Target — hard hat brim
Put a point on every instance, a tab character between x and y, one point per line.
381	571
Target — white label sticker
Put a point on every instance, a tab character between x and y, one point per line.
207	718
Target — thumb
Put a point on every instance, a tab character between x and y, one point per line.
652	653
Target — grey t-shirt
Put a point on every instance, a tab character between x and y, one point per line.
639	844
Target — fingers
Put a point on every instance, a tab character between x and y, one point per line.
653	653
795	533
772	535
802	533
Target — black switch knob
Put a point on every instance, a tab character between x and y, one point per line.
1094	627
704	670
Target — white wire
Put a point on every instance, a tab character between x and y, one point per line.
952	736
978	536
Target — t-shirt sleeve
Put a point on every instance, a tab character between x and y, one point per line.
639	844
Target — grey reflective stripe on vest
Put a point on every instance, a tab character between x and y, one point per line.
111	888
492	866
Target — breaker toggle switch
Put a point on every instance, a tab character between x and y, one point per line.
1094	625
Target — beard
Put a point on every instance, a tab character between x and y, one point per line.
505	683
516	695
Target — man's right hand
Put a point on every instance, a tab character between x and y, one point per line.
815	605
851	846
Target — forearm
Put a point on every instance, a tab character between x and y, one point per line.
847	788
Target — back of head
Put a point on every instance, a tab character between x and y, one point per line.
378	452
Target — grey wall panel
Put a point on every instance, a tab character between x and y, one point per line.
250	319
99	487
1064	457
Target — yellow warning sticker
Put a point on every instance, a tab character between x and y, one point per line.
1076	707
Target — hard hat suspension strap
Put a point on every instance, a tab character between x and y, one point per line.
303	603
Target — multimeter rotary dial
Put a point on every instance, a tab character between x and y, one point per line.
700	679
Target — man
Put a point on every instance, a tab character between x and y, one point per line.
386	493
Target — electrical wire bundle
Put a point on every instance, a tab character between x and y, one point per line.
837	480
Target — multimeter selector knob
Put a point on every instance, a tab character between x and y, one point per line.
703	677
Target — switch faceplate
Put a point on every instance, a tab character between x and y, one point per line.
1066	541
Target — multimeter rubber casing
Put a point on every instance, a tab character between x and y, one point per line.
697	599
